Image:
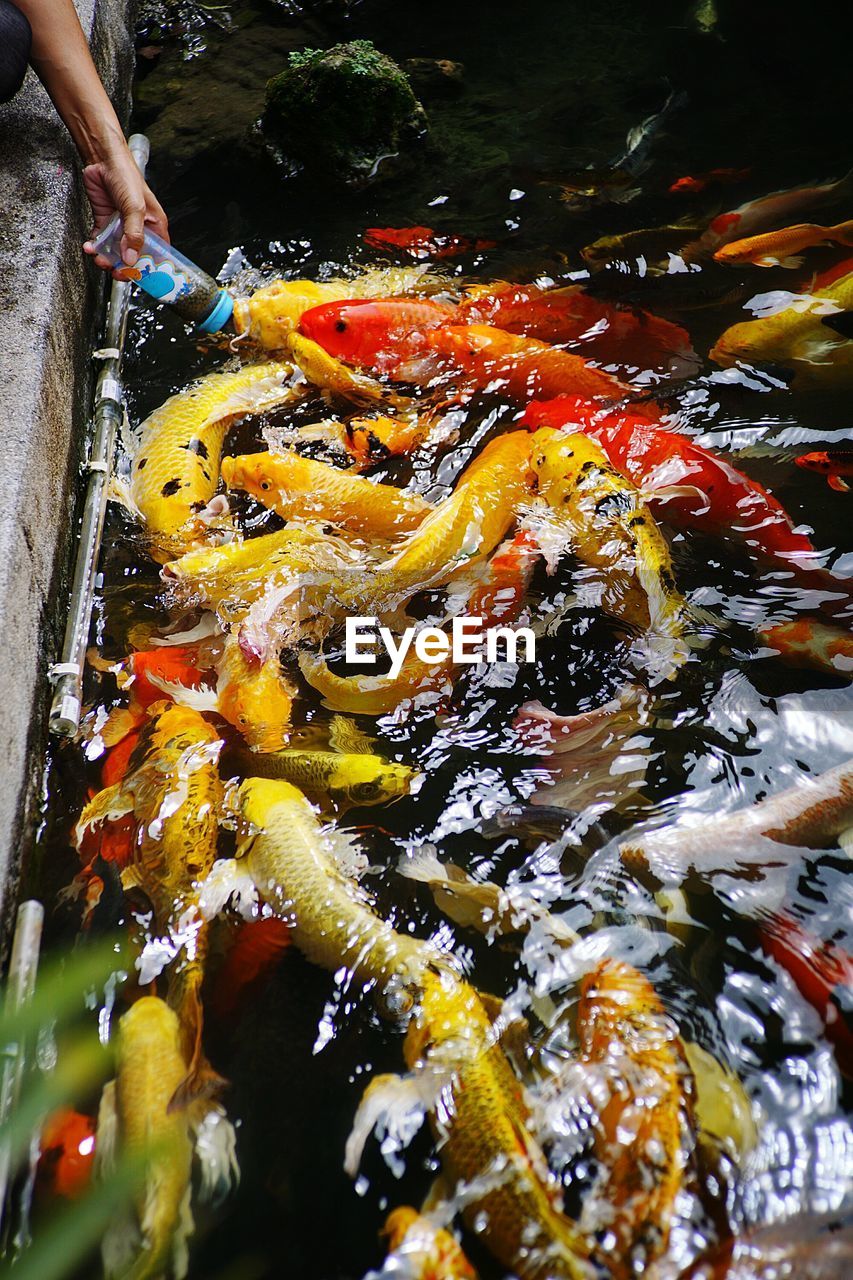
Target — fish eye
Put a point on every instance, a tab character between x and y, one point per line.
340	326
265	485
242	721
365	790
396	1001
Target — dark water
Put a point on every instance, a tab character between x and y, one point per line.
548	91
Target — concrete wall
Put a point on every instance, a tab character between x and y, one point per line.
50	300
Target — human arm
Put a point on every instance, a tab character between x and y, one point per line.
60	57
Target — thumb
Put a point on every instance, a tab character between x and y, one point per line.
133	219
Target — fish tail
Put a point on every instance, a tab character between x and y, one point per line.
836	483
843	233
201	1081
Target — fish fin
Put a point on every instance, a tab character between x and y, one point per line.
667	492
346	737
845	841
216	1150
396	1107
839	485
346	853
201	1081
201	699
118	491
226	879
721	1106
840	322
121	1241
106	1145
119	723
512	1030
107	806
470	903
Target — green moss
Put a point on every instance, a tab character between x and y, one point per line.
342	111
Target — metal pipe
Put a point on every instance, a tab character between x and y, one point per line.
20	986
67	674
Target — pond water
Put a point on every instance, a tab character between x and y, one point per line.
545	103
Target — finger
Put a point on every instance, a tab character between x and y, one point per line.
155	216
134	231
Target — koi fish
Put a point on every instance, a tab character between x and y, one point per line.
610	528
634	1049
570	316
377	334
422	1250
372	440
495	593
251	693
67	1153
823	974
136	1116
810	337
304	488
755	215
176	663
342	779
648	243
725	500
174	793
523	368
332	375
832	463
690	185
175	470
423	242
460	1074
805	642
779	248
255	950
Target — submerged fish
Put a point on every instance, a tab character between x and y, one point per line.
610	528
779	248
605	331
255	950
423	242
419	1249
136	1118
832	463
804	337
343	779
175	470
697	488
755	215
643	1130
521	368
805	642
692	184
174	793
377	334
66	1154
306	489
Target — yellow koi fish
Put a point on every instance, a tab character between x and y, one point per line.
175	470
136	1118
341	778
369	440
644	1130
610	528
331	374
173	790
811	337
305	489
421	1250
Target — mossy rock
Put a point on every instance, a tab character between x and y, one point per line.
347	113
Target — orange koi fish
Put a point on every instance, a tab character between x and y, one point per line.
423	242
690	185
823	974
767	211
255	951
522	368
808	643
627	1037
370	440
570	316
780	248
67	1154
377	334
832	463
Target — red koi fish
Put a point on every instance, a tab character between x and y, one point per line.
521	368
254	953
723	498
176	664
423	242
376	334
572	317
67	1154
832	463
823	974
690	185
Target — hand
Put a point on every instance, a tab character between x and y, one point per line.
115	184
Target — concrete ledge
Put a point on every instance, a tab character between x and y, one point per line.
49	300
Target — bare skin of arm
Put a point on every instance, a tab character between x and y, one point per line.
61	59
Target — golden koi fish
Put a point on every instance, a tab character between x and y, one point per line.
369	440
173	790
422	1250
305	489
136	1117
642	1129
780	248
331	374
343	779
611	529
175	470
811	337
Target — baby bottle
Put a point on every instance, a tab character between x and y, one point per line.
165	274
